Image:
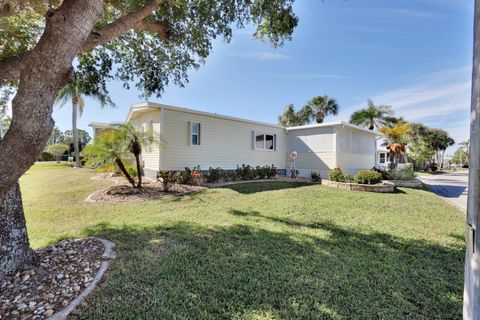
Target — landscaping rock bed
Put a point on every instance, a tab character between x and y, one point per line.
410	183
65	271
151	190
384	187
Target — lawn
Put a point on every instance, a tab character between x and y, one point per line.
260	251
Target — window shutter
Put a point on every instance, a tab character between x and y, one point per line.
189	133
274	142
253	140
199	134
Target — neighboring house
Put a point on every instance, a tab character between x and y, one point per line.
383	160
194	138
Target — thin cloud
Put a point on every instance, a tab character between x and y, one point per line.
263	55
312	76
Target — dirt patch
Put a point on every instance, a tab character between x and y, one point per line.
65	269
151	190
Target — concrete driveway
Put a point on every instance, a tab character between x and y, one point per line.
450	186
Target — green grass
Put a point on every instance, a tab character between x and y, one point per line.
260	250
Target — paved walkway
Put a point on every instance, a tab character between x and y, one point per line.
450	186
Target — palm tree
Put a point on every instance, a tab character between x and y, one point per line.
466	146
108	148
373	116
396	140
290	117
134	141
73	92
318	108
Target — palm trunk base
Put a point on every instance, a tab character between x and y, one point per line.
15	252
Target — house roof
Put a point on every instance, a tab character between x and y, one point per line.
100	125
144	106
332	124
147	106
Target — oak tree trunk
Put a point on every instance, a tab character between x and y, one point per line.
15	250
46	69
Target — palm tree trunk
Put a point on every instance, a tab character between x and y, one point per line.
139	170
75	131
125	172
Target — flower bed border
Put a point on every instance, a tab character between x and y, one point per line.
107	257
384	187
406	183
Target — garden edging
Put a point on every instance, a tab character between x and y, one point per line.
384	187
107	256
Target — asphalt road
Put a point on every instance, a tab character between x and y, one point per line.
453	187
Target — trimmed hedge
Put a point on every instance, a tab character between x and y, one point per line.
368	177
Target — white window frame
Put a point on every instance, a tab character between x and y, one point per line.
198	133
265	134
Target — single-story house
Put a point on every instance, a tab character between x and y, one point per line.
192	138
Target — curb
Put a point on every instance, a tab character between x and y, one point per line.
108	255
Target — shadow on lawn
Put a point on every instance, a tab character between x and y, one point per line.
254	187
188	271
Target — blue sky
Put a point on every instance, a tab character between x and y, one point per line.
414	55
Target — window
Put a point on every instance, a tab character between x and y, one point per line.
382	157
265	141
195	134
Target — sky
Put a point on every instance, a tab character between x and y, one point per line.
415	55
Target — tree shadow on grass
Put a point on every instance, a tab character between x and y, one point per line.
254	187
328	272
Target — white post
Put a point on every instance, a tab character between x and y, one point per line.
471	302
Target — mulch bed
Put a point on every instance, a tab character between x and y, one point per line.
64	270
150	191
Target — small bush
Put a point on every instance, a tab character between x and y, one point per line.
434	167
368	177
336	175
229	175
214	174
267	172
315	176
185	176
167	178
348	177
46	156
132	171
403	174
245	172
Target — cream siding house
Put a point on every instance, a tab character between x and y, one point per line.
191	138
322	147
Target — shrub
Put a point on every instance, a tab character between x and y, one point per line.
230	175
167	178
245	172
214	174
268	172
336	175
433	167
348	177
403	174
185	176
368	177
315	176
46	156
132	171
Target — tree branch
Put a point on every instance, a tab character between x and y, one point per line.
121	25
10	68
160	28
